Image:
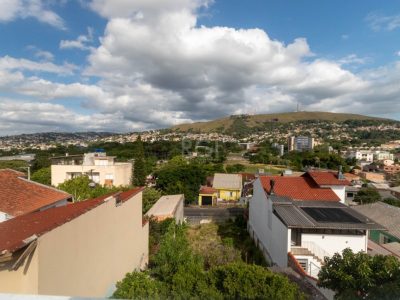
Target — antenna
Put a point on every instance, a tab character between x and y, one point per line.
298	106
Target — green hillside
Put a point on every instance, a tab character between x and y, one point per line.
240	122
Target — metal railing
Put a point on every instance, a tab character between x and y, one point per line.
315	249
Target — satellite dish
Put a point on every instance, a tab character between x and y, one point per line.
92	185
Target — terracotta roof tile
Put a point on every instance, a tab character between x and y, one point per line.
298	188
207	190
13	232
326	178
19	196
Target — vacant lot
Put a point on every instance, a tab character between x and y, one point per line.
223	243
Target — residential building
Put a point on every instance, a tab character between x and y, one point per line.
300	143
386	215
80	249
19	196
362	155
169	206
395	191
294	220
228	187
382	155
100	168
207	196
391	170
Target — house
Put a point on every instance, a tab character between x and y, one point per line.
169	206
385	214
374	177
362	155
293	218
392	169
81	249
395	191
19	196
100	168
225	188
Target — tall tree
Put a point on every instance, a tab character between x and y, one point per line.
139	174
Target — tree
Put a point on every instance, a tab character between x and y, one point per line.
361	276
392	201
80	188
243	281
150	196
139	174
367	195
42	176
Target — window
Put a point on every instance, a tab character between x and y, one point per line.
110	176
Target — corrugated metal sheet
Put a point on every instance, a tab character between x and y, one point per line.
382	213
294	217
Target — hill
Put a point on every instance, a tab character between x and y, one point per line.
235	123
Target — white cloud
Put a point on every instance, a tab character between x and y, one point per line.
82	42
11	10
11	63
157	67
379	22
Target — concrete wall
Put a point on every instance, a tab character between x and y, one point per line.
333	243
85	256
225	194
122	172
24	280
179	212
267	229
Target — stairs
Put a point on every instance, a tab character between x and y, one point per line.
305	252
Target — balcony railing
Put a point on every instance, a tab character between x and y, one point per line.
315	249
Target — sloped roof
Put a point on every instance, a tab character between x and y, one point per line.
326	178
295	215
227	181
298	188
385	214
19	196
207	190
16	231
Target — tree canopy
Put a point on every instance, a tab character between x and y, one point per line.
139	172
42	176
361	276
367	195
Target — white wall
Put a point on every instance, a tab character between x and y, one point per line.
339	190
266	228
333	243
3	217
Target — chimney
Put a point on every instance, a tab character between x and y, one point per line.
272	184
340	173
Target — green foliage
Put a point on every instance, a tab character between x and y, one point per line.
42	176
79	188
150	196
176	272
391	201
18	165
236	168
361	276
318	159
367	195
181	177
139	285
243	281
157	231
139	172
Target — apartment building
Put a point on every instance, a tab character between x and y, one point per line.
300	143
100	168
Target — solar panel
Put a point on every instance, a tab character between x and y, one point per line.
330	215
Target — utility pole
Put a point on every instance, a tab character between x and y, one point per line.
28	168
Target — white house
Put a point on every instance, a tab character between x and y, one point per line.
100	168
292	218
363	155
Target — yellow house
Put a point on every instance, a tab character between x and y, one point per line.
226	187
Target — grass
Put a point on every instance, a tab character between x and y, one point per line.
220	244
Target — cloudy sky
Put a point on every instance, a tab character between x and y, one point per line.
129	65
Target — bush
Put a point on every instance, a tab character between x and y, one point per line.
367	195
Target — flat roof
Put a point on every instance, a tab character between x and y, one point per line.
166	205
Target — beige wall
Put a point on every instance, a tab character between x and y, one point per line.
122	172
88	255
24	279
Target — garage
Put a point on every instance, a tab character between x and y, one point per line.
206	200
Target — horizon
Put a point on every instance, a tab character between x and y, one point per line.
121	66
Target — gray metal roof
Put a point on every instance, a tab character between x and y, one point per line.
293	216
227	181
385	214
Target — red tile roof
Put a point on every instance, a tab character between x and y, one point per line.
207	190
13	232
326	178
19	196
298	188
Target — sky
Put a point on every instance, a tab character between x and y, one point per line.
134	65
